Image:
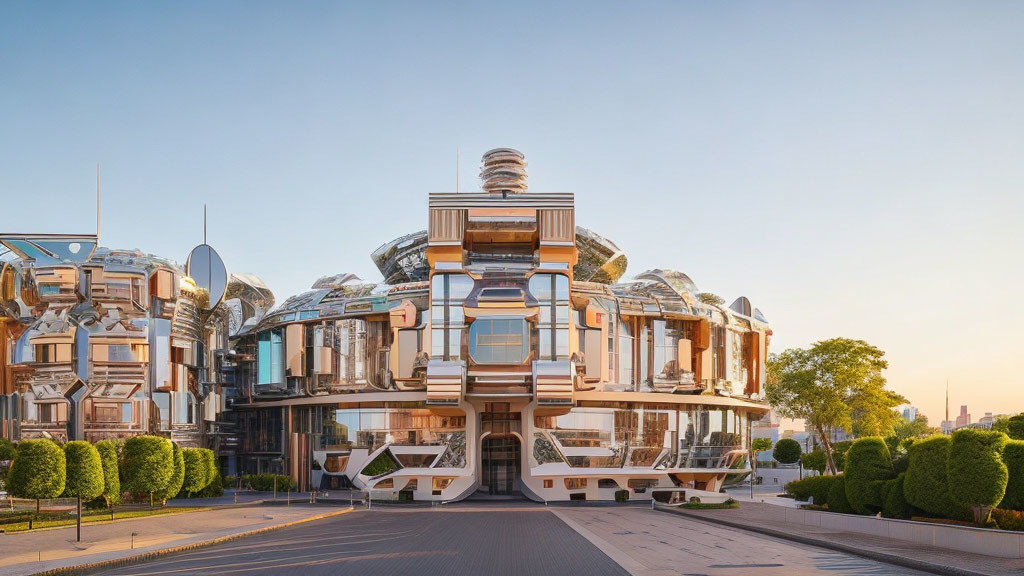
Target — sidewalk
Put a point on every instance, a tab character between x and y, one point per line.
32	552
770	520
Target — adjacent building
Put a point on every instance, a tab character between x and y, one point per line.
501	354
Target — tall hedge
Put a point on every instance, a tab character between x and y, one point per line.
925	485
196	471
1013	457
895	504
868	466
84	470
38	470
837	501
787	451
1015	427
7	449
177	477
975	469
148	464
107	450
210	459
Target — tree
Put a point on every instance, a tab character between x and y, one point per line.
148	464
975	470
111	474
835	384
903	430
195	471
868	466
787	451
177	477
39	470
84	470
761	445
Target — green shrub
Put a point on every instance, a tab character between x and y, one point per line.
214	489
815	487
1015	427
975	470
38	471
7	450
1009	519
148	464
107	450
383	464
900	463
265	482
787	451
622	495
177	477
925	486
837	501
814	460
1013	457
212	471
895	504
195	471
868	466
84	470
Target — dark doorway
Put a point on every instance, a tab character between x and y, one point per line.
500	464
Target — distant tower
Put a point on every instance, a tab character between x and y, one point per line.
503	171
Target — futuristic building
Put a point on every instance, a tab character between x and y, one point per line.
502	355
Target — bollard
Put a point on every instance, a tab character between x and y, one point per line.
288	496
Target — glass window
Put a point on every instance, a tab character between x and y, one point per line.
552	294
447	317
498	340
119	353
625	356
270	353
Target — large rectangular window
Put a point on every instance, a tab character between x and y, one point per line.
499	340
552	294
448	293
270	354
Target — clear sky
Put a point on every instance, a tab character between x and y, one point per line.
855	169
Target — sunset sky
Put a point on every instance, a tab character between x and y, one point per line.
855	169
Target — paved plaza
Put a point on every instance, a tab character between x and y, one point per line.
513	538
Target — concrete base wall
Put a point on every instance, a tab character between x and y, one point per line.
998	543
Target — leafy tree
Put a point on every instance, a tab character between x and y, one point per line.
195	471
107	450
1013	457
761	445
84	470
868	466
787	451
975	470
177	477
904	431
835	384
148	464
7	450
38	471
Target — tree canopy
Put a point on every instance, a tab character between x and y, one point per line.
834	384
39	470
761	444
84	470
787	451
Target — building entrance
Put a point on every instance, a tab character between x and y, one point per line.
500	449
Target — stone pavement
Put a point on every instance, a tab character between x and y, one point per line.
37	551
769	519
646	542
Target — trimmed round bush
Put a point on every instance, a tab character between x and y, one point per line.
84	470
868	466
1013	457
895	504
925	486
837	501
148	464
195	471
787	451
177	477
815	487
39	470
1015	427
975	469
107	450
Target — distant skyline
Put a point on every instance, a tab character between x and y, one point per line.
853	169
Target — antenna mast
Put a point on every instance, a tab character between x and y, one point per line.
457	170
97	203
